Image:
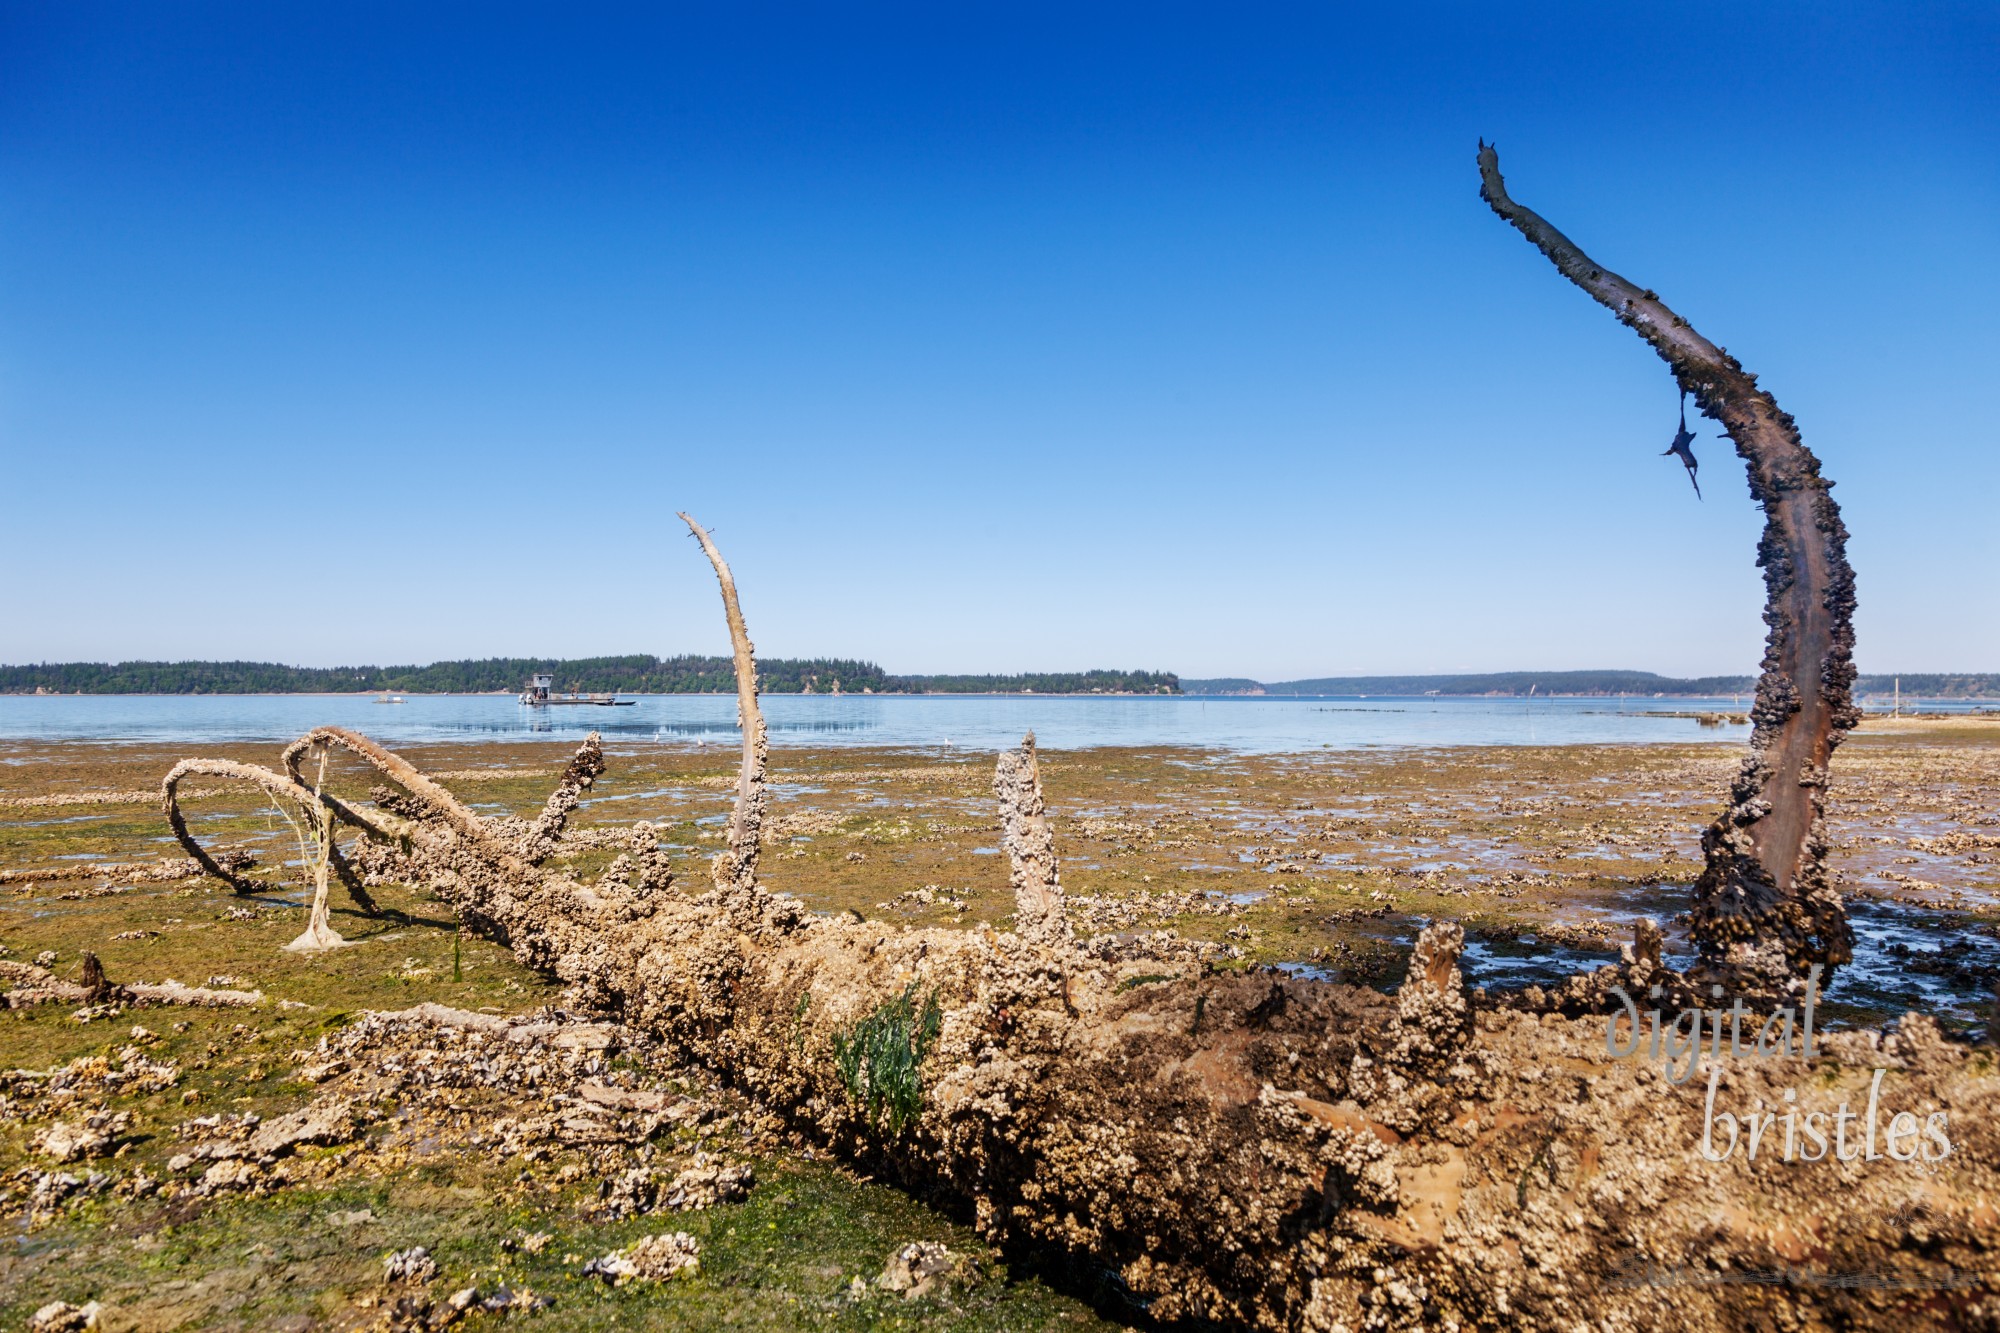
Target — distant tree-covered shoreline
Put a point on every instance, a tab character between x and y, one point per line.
635	674
640	674
1967	685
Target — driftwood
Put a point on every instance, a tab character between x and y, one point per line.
1247	1149
1766	909
38	985
163	871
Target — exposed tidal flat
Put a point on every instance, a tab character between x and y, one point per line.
1312	855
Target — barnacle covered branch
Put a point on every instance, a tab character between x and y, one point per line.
585	766
1766	908
285	791
1024	832
31	984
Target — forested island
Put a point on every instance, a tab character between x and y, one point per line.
634	674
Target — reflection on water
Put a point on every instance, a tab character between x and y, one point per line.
1906	959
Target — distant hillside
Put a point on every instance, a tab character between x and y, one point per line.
1970	685
1495	682
622	675
1225	685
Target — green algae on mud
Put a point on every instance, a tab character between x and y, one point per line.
786	1257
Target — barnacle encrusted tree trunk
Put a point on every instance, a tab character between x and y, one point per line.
1235	1149
1765	908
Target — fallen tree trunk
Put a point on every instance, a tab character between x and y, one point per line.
1765	909
1247	1149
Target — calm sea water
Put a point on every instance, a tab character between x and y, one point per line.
974	722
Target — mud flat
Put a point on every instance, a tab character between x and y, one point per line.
271	1160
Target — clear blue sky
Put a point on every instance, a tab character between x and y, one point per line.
986	337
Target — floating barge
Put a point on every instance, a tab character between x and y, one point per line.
541	694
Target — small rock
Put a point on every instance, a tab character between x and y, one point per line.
230	1175
62	1317
354	1218
706	1184
412	1265
317	1124
648	1259
66	1142
921	1268
46	958
50	1188
629	1194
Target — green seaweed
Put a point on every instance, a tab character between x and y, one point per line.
880	1058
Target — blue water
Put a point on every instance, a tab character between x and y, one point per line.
969	722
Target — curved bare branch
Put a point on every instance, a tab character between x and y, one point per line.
279	787
736	867
584	768
1765	908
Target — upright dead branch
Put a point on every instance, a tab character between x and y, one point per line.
316	850
1765	909
584	769
736	867
1433	1010
1024	832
